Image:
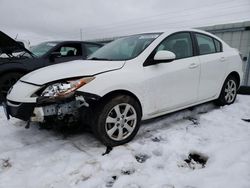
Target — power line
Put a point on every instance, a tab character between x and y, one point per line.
159	22
184	25
139	21
156	15
168	23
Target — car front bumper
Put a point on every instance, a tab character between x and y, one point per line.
43	108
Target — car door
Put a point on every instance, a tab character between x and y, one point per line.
67	52
213	64
172	85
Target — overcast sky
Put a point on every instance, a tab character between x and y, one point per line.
39	20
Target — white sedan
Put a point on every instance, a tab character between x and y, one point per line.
130	79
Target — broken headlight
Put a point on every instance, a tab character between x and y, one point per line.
66	88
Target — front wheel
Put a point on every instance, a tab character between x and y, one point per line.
229	92
118	120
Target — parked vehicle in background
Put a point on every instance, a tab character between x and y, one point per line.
16	60
24	43
137	77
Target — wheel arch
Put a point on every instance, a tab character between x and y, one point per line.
236	75
122	92
220	101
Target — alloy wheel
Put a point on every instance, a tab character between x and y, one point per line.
230	91
121	122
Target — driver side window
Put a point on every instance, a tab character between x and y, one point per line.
180	44
70	50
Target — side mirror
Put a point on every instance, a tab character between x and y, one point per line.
164	56
54	55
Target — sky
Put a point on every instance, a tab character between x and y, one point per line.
40	20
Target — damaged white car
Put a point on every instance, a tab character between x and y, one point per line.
130	79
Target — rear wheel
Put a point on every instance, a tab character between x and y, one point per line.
229	92
6	82
118	120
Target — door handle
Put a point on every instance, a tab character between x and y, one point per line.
193	65
222	59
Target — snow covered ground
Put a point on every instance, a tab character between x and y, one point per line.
154	159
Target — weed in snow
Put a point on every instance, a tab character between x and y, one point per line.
127	171
193	120
108	150
156	139
5	163
246	120
141	158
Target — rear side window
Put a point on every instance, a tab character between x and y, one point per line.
180	44
218	46
205	44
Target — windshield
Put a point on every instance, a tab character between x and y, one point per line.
124	48
40	49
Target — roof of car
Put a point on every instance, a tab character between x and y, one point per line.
171	31
74	41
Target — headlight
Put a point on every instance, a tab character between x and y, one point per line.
65	88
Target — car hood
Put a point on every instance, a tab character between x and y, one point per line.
70	69
9	45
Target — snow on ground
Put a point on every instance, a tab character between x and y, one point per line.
154	159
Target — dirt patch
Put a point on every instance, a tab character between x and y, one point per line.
111	181
196	160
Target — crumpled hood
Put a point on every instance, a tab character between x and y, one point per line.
9	45
70	69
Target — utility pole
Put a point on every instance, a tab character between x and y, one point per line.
81	34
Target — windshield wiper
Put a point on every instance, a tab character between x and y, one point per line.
24	53
99	59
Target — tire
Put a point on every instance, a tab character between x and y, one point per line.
117	120
6	82
228	92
